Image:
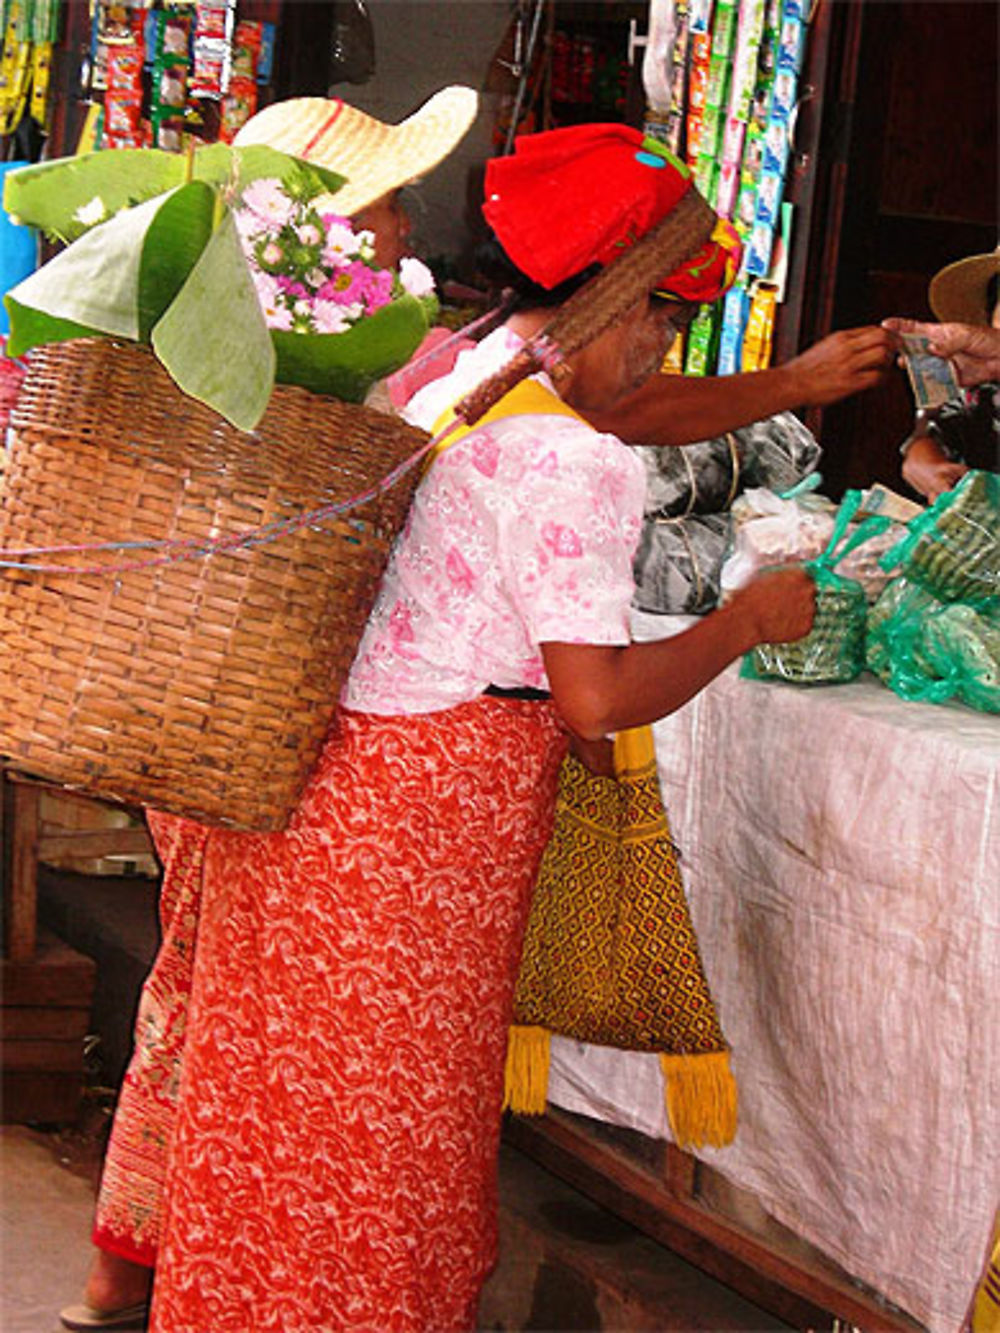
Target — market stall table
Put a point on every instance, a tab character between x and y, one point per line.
841	851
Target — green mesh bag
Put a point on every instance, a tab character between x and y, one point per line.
929	650
834	649
953	548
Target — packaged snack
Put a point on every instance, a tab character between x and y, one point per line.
238	105
929	650
246	49
760	328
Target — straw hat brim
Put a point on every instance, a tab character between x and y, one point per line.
374	157
958	293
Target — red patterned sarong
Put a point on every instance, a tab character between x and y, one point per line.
129	1206
334	1161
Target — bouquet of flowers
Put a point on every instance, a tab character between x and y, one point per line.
237	272
316	276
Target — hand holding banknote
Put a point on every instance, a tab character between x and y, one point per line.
973	349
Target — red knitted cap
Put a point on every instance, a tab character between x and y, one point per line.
573	197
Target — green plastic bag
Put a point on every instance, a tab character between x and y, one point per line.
930	650
834	649
953	548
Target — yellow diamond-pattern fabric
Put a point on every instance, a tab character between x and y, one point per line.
610	954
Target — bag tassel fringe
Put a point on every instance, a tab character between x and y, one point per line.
699	1090
701	1099
526	1078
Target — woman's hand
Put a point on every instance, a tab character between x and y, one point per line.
599	689
928	469
846	362
778	606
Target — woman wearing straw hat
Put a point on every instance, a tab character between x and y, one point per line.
965	432
334	1160
378	160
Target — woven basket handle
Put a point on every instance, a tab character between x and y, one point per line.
479	401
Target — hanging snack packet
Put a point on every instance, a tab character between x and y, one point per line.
834	649
953	548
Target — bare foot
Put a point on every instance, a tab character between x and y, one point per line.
115	1283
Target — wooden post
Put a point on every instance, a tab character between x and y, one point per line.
21	899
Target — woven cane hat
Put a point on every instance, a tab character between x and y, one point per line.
376	158
959	292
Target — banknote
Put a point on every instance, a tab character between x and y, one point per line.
932	378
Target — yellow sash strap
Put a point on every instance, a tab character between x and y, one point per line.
529	398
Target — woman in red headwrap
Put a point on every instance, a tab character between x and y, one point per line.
334	1161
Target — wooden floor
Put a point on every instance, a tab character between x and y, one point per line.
657	1189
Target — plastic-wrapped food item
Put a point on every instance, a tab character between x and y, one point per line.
701	478
930	650
706	478
678	563
953	549
834	649
778	451
769	530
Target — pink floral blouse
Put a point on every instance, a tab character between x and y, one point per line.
521	533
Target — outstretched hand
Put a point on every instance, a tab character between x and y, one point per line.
843	363
973	349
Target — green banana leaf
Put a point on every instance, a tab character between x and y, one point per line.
119	278
345	365
68	196
213	340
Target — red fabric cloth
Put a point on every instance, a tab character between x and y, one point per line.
130	1203
578	196
334	1160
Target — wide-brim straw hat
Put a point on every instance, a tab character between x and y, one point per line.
376	158
959	292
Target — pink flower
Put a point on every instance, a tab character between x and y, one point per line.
272	254
348	286
416	277
293	288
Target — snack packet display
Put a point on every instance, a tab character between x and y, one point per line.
834	649
953	548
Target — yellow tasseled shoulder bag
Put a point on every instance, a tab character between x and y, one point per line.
610	955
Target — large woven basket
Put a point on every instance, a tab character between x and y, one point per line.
202	686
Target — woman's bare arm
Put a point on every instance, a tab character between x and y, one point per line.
603	689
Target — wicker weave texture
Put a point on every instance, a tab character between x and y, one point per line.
202	686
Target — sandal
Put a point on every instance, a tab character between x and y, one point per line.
86	1317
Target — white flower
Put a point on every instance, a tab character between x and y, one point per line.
341	243
330	317
417	279
267	198
92	213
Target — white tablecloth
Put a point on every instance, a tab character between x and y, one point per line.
841	851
